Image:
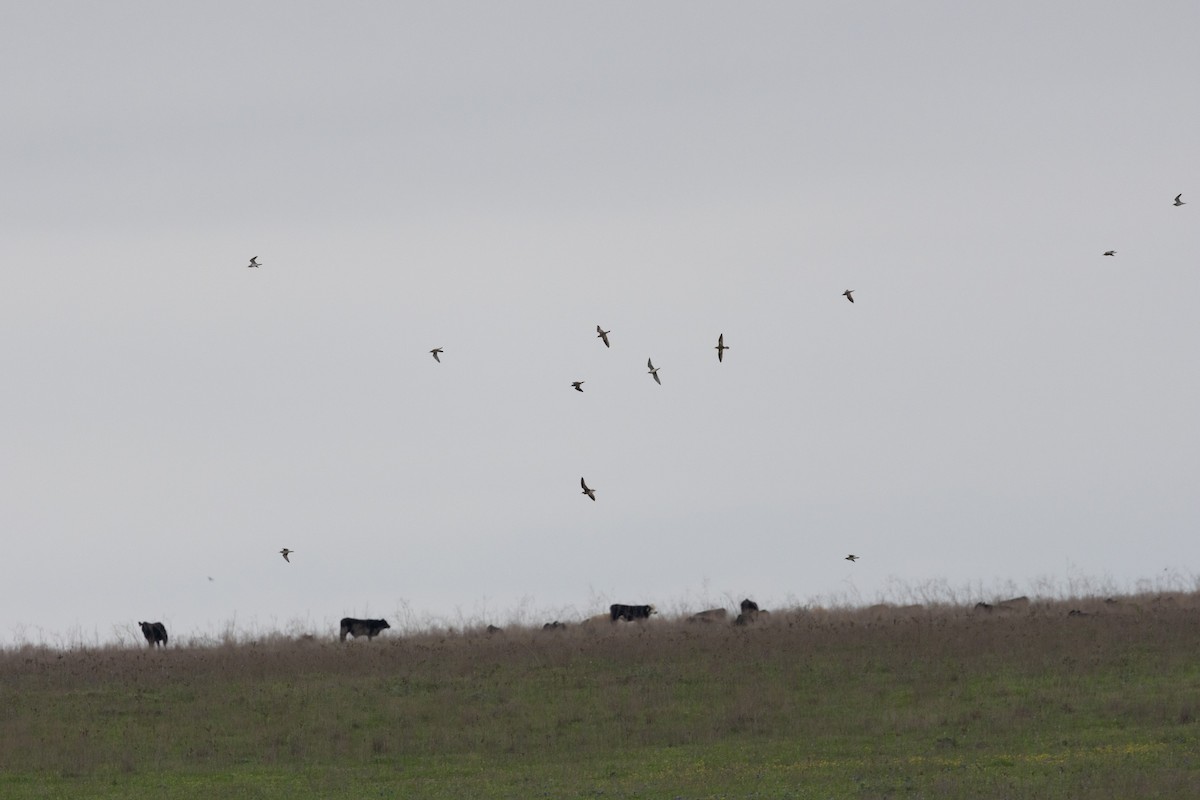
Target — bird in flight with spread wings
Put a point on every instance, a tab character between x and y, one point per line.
653	371
721	348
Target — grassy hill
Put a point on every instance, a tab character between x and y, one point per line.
877	703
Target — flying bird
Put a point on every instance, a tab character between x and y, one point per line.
435	352
577	385
1110	252
653	372
589	492
721	348
254	262
852	557
284	552
849	295
602	335
1179	202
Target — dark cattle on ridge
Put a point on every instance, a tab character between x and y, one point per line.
749	605
630	613
155	633
359	627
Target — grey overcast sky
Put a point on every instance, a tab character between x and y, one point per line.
1002	407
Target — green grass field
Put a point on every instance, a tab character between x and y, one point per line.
857	704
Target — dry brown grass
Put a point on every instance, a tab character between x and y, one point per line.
934	682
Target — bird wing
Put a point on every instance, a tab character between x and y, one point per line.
656	380
583	483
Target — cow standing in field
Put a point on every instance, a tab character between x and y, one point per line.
630	613
750	613
358	627
155	633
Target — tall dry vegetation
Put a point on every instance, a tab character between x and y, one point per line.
885	680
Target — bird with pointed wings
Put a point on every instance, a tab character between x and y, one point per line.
721	348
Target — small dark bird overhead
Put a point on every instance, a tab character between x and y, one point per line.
577	385
589	492
1179	202
721	348
653	372
1110	252
435	351
284	552
603	335
852	557
254	262
849	295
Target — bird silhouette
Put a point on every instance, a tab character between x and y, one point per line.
1110	252
852	557
589	492
254	262
653	372
721	348
1179	202
577	385
435	352
602	335
849	295
284	552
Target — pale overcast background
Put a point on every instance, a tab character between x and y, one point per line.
1002	408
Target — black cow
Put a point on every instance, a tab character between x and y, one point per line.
358	627
155	633
749	606
630	613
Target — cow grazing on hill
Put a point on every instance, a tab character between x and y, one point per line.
554	626
630	613
1010	606
750	613
358	627
710	615
155	633
1014	604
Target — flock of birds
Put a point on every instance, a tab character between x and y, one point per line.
602	335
